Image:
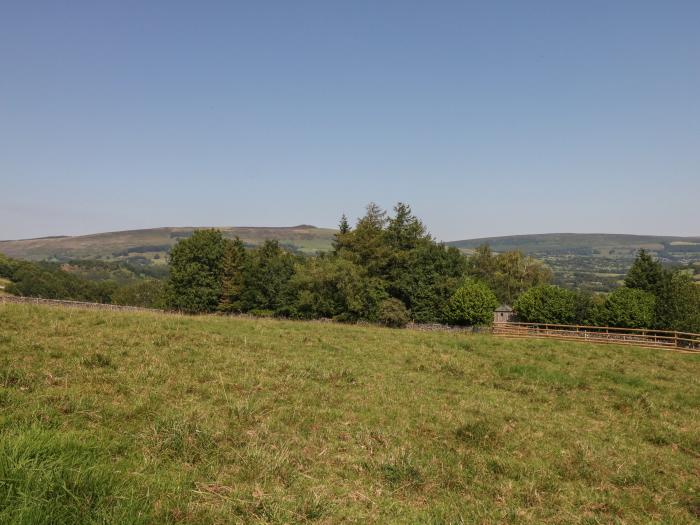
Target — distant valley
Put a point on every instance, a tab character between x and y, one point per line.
595	261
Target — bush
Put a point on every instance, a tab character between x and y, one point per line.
547	304
392	312
629	308
472	304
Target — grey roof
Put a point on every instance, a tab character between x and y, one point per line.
504	308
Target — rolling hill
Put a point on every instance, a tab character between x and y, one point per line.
153	244
603	244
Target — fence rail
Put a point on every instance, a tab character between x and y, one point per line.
602	334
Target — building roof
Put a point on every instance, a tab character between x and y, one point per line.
504	308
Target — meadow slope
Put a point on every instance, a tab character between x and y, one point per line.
155	418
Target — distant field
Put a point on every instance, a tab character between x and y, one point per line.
155	418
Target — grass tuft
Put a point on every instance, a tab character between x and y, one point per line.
479	434
98	360
50	477
401	472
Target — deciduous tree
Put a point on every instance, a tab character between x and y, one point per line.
196	265
472	304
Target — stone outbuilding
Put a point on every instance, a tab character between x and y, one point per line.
503	314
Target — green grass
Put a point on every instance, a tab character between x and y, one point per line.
153	418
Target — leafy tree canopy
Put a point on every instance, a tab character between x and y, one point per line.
509	274
629	308
196	265
472	304
547	304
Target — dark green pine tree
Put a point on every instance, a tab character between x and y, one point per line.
343	231
404	230
232	276
645	274
344	226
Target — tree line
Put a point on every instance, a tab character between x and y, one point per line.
386	268
92	281
389	269
652	297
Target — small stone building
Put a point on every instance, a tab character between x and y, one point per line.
503	314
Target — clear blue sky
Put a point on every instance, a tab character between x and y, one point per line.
489	118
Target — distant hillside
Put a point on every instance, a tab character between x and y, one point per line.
598	243
597	261
154	244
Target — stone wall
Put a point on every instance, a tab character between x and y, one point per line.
4	299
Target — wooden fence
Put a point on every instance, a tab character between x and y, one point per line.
602	334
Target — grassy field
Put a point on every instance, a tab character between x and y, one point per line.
153	418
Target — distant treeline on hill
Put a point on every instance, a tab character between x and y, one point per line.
143	249
385	268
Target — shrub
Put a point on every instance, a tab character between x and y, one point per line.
629	308
472	304
392	312
547	304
